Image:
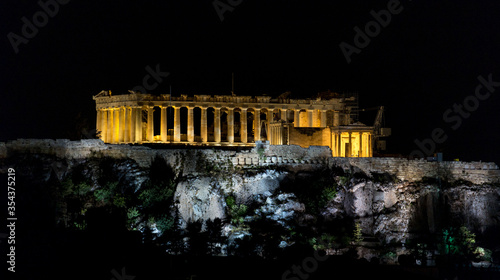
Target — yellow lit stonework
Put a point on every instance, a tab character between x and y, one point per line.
228	120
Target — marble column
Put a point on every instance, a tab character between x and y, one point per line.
121	124
217	125
370	145
203	128
116	124
138	124
360	152
336	118
256	120
132	124
190	125
315	116
126	125
334	144
104	125
98	121
339	144
150	124
296	118
274	135
177	124
163	125
322	118
283	115
310	120
279	135
269	119
230	125
350	145
109	133
243	126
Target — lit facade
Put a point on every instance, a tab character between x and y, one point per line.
226	120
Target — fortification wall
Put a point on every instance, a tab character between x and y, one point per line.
415	170
262	155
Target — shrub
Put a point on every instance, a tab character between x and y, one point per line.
107	192
343	180
325	241
235	211
164	223
357	234
260	151
457	241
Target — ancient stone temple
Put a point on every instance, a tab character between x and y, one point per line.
228	120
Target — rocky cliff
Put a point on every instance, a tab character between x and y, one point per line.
268	199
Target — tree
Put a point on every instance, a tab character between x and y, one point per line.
156	195
198	239
458	242
214	235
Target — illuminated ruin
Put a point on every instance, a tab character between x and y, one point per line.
229	120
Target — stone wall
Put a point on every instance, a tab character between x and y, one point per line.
310	136
262	155
415	170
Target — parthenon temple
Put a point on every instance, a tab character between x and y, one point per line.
229	120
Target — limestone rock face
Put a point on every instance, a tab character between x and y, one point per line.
359	200
199	199
477	206
245	188
280	208
202	197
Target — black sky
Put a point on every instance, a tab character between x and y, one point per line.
425	60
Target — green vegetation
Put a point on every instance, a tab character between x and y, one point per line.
315	190
164	223
70	201
78	189
156	195
328	193
260	151
143	208
343	180
106	193
235	211
483	254
457	241
132	215
357	234
323	242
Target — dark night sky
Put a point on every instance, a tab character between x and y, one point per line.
425	60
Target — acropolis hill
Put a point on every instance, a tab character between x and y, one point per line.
290	170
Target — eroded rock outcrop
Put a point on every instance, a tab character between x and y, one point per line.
294	191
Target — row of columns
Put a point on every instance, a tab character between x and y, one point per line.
277	134
120	124
359	144
312	117
124	124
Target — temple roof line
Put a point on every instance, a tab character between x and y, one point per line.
106	99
